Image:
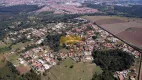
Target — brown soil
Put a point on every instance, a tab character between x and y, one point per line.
133	35
109	21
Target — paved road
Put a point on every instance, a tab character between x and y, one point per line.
140	73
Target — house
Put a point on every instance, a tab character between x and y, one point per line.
121	77
46	66
89	58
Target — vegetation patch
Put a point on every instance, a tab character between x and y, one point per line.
4	49
8	72
106	75
53	41
113	60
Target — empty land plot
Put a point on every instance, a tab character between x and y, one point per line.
79	71
23	69
109	21
132	35
13	58
119	27
94	18
97	18
20	45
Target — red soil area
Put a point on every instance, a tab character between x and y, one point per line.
23	69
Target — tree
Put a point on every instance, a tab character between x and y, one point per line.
94	37
113	60
106	75
71	66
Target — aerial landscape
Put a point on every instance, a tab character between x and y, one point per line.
70	40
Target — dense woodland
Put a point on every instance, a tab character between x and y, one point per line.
111	61
19	8
53	41
106	75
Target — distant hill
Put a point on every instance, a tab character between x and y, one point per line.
19	8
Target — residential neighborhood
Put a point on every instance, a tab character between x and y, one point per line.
41	58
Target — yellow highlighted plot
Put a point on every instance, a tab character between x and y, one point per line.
70	39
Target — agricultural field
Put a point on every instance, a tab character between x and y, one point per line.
132	35
95	18
127	29
109	21
70	70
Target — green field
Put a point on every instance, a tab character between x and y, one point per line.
80	71
20	45
3	47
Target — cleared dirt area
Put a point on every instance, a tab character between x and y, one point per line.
79	71
109	21
95	18
133	35
119	27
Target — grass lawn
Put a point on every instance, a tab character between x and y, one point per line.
3	47
13	58
80	71
19	45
